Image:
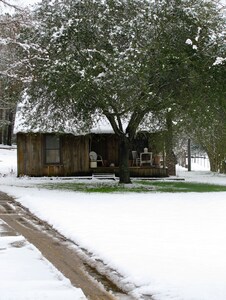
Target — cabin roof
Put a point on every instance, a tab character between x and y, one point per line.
100	126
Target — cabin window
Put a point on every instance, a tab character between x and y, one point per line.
52	149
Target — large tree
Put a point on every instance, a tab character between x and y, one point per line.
119	59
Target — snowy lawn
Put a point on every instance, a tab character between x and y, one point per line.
168	245
26	274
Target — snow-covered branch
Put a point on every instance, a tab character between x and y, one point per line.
7	3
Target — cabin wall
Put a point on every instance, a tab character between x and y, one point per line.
106	145
30	156
75	154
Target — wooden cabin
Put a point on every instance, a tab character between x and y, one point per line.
50	154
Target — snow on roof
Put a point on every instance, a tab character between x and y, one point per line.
24	112
101	124
21	125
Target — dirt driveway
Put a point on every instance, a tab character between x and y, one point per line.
67	257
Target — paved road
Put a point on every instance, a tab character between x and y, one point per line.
63	254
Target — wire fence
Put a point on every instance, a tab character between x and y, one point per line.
201	160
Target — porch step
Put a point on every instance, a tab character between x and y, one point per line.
104	176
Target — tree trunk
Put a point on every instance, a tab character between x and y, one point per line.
170	156
214	161
189	154
124	149
10	129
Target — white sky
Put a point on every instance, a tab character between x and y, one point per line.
34	1
31	2
22	3
28	2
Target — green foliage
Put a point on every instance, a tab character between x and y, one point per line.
120	59
202	114
97	51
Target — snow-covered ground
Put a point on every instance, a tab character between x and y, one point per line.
170	246
26	274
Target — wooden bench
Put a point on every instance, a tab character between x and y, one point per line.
103	176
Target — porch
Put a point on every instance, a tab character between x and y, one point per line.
146	157
135	171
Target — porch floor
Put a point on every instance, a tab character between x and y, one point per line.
143	171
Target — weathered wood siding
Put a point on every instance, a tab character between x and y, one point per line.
29	154
74	156
74	153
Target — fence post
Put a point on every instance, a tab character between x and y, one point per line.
189	154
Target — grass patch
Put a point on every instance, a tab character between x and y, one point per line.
97	187
136	187
182	186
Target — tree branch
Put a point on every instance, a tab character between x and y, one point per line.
11	5
113	123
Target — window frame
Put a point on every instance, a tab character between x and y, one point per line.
59	149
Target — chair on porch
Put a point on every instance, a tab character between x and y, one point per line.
96	157
136	159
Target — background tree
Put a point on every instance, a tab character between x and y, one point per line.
206	123
117	59
12	18
195	102
10	86
204	115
